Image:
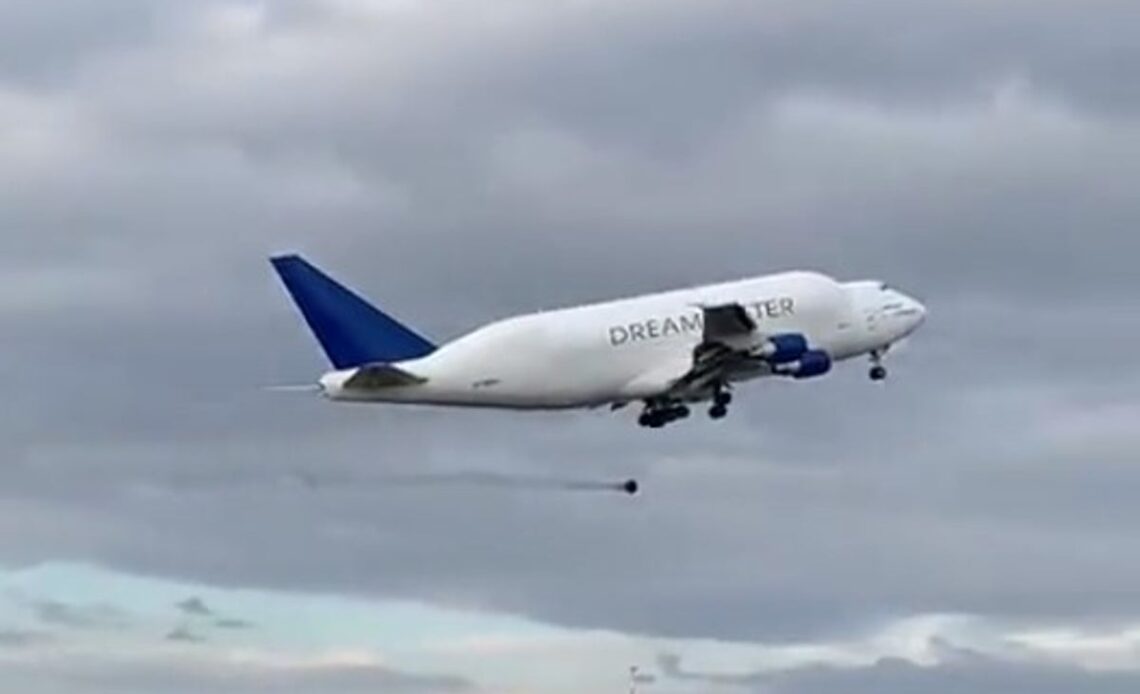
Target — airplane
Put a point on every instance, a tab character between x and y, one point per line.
666	351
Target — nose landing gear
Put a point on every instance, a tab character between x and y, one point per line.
878	372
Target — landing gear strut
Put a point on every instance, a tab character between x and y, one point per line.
878	371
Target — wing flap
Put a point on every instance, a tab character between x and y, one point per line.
726	322
729	335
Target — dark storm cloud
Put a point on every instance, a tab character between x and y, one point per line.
961	672
978	155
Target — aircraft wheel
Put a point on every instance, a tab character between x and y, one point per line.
718	411
878	373
681	412
654	419
722	396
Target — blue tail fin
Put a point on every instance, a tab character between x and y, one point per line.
351	331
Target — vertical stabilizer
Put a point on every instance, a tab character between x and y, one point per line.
351	331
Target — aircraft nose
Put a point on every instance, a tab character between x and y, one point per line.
921	308
918	312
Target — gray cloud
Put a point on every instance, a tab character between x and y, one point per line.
41	46
643	678
183	634
195	606
60	675
960	671
57	613
22	638
458	170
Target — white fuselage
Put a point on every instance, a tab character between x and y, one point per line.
633	349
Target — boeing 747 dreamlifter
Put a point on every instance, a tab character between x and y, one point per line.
665	350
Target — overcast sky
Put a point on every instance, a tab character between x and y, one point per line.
166	525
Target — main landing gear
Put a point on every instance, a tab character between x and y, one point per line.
878	371
659	412
721	400
657	415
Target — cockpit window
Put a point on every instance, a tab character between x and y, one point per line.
883	286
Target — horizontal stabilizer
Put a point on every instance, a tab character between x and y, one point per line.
294	388
377	376
351	331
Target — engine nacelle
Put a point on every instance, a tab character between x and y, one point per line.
812	363
784	349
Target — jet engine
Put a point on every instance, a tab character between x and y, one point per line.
783	349
811	363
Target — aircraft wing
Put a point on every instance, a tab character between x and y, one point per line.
710	365
729	335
